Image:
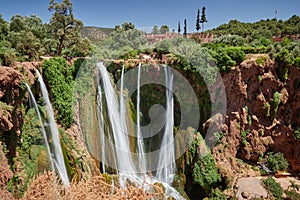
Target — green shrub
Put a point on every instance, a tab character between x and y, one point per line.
274	103
277	162
261	61
222	60
244	135
236	54
292	195
285	60
297	133
204	171
60	79
273	187
8	56
297	62
217	194
232	40
267	109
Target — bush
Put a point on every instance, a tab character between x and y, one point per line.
297	62
232	40
261	61
60	79
273	187
217	194
204	171
297	133
274	103
8	56
277	162
222	60
236	54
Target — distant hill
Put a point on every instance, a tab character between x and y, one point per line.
96	34
272	27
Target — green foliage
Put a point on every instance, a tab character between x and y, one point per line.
274	103
297	133
218	136
217	194
197	58
273	187
178	28
155	30
3	28
285	60
184	27
261	61
64	29
204	171
203	17
222	60
232	40
32	156
277	162
262	28
244	135
8	56
292	191
292	194
267	109
60	79
236	54
132	38
197	21
164	29
297	62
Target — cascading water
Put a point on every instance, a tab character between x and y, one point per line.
139	137
58	158
33	101
122	146
128	164
101	126
166	163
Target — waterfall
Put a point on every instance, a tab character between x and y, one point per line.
120	134
166	163
101	127
58	158
140	141
33	101
133	166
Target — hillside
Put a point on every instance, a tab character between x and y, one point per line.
266	28
95	34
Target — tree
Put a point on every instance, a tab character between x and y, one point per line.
127	26
164	29
155	30
26	35
179	29
65	29
3	28
277	162
198	21
184	28
132	38
203	17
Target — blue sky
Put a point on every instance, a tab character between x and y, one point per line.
158	12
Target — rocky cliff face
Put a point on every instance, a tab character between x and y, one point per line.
254	125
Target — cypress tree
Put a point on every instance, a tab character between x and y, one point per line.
179	30
203	17
184	28
198	21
